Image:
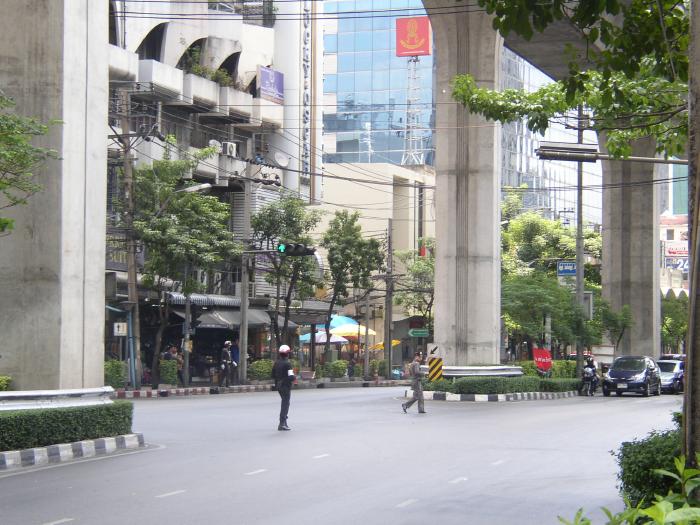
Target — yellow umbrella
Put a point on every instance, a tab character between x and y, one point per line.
350	330
380	346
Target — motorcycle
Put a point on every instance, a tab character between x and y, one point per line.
589	382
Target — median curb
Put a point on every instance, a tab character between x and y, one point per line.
239	389
65	452
485	398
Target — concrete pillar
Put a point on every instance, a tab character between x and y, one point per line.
468	267
631	253
53	62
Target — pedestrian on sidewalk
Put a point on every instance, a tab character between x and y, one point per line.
416	385
283	374
225	374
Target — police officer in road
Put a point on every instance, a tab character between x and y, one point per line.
283	374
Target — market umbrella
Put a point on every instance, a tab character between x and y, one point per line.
339	320
351	330
321	338
380	346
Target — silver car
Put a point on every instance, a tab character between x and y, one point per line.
671	375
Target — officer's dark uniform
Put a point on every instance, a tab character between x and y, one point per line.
283	383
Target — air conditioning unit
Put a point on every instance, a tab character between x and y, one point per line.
228	149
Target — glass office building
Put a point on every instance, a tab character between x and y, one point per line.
366	85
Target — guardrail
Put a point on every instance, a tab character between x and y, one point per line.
478	371
33	399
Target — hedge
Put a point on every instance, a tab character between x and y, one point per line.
5	382
260	370
638	458
168	371
115	373
20	429
501	385
338	368
560	368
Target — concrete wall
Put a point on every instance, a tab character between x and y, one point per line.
53	62
631	252
467	280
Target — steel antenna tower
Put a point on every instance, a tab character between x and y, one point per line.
413	154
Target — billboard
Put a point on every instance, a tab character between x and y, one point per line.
676	248
413	36
271	84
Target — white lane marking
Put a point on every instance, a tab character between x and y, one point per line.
320	456
64	520
253	473
458	480
406	503
499	462
168	494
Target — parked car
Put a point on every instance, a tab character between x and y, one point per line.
632	374
671	375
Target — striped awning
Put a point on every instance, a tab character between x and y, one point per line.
204	299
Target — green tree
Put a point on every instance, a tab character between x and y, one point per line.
674	322
416	290
18	159
288	220
179	231
351	259
615	324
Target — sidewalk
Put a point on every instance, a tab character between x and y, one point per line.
149	393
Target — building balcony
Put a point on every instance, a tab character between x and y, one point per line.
229	169
236	102
123	65
200	91
207	168
160	81
265	114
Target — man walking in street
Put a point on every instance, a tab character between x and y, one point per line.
416	376
283	374
225	364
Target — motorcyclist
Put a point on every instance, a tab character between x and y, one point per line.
593	366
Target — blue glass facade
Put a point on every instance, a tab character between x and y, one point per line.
370	83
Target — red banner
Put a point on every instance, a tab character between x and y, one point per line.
413	36
543	358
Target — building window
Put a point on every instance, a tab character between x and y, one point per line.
670	234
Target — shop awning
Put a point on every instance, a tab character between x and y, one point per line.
228	319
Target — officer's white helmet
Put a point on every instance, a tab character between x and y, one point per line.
284	349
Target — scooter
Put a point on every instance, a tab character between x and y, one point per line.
589	383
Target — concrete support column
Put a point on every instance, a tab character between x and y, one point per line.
53	63
631	256
468	268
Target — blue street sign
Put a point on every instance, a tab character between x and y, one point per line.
566	268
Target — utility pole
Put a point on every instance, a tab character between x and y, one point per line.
243	329
132	283
579	246
366	365
388	302
187	345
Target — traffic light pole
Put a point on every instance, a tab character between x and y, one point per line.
388	304
186	339
243	329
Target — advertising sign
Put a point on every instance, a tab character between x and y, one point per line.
413	36
121	330
543	358
271	84
566	268
676	248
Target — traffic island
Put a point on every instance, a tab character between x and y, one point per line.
481	398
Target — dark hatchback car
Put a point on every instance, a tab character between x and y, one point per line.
638	374
671	375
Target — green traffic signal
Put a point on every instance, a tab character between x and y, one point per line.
295	249
281	247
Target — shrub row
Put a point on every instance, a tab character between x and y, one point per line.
560	368
168	371
115	373
260	370
501	385
20	429
5	382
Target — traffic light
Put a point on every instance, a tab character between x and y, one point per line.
293	249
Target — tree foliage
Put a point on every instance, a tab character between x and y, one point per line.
351	258
415	291
18	158
674	322
288	220
633	80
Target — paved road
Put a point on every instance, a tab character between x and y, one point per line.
352	457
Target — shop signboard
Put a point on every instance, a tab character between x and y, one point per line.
566	268
676	248
121	330
271	84
413	36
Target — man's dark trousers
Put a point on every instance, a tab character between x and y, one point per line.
285	392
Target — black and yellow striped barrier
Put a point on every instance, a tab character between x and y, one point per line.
435	368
